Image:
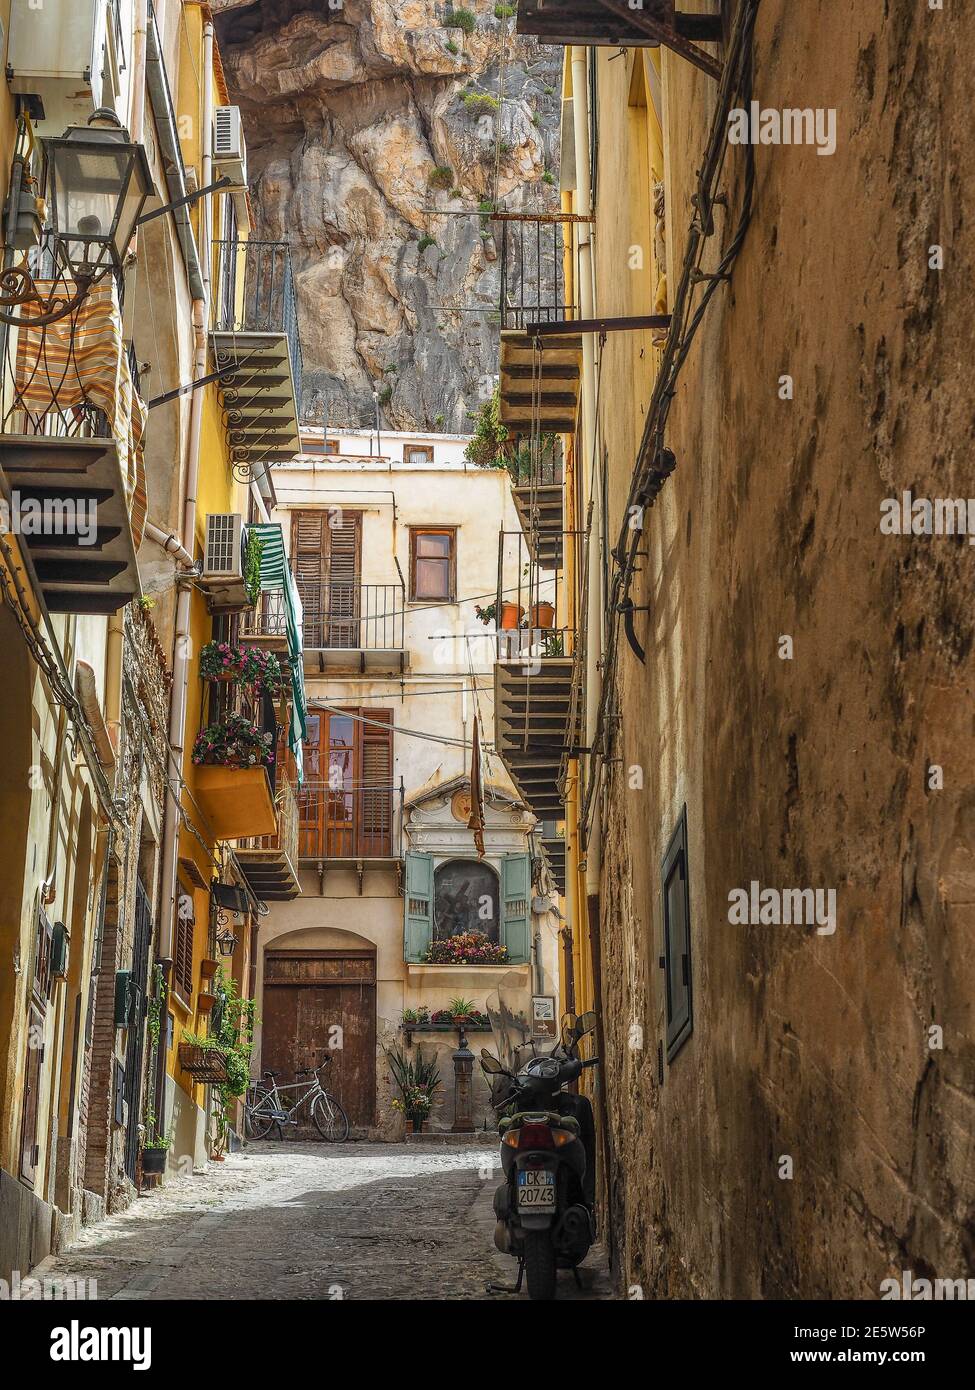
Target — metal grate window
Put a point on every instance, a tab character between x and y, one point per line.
676	960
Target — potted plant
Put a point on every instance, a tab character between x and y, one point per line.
223	661
418	1080
487	614
511	616
208	968
155	1147
542	615
460	1009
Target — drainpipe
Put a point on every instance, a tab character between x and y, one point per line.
171	544
140	30
206	220
580	122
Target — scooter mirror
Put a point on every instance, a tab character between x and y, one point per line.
585	1023
490	1064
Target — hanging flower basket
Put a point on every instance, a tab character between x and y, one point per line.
234	743
205	1064
222	661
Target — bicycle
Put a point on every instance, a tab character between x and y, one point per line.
265	1108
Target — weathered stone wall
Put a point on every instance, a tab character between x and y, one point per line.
348	113
809	772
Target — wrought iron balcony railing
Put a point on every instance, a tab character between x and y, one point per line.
268	619
255	293
285	838
533	286
353	617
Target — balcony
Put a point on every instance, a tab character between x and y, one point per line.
537	488
540	375
353	628
353	827
538	719
71	456
269	862
237	801
254	333
553	845
266	626
615	25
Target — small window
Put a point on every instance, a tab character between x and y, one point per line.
676	959
418	454
466	899
433	567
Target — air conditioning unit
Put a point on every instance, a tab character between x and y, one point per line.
229	146
223	563
67	57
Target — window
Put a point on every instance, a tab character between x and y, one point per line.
676	960
418	454
433	564
326	549
466	898
446	902
183	945
345	805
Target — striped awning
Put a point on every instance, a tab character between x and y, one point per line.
276	575
79	361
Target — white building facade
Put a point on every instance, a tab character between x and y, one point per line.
393	554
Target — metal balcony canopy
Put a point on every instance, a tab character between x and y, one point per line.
617	24
276	577
74	473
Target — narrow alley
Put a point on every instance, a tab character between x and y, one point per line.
311	1221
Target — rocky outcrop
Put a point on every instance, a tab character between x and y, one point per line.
375	135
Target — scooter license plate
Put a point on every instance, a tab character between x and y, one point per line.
536	1188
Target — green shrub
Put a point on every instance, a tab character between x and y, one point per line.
503	11
451	47
440	176
462	19
480	104
425	243
548	177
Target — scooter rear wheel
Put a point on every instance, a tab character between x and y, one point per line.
540	1264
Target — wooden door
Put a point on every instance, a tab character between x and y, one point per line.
308	541
318	1004
32	1086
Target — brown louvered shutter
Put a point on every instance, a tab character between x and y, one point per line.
375	779
344	533
183	958
308	530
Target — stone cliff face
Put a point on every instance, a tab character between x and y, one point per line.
373	140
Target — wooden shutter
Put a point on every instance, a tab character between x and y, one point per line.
419	905
32	1086
375	777
516	893
343	579
183	958
308	532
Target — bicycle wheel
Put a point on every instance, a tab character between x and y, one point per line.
259	1117
330	1119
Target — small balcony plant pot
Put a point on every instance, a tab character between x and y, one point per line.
542	615
208	968
511	616
205	1002
154	1161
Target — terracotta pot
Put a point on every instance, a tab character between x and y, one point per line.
542	615
205	1002
208	968
218	1158
511	616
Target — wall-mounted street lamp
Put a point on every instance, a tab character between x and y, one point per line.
227	943
98	182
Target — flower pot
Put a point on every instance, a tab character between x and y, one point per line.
218	1158
205	1002
416	1126
208	968
154	1161
542	615
511	616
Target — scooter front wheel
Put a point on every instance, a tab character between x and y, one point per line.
540	1264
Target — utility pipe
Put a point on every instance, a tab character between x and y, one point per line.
171	544
588	489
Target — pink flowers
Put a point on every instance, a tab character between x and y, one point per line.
467	948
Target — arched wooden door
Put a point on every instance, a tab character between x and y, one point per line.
321	1003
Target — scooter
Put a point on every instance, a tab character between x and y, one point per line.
544	1206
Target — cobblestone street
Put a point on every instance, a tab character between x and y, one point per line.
312	1221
